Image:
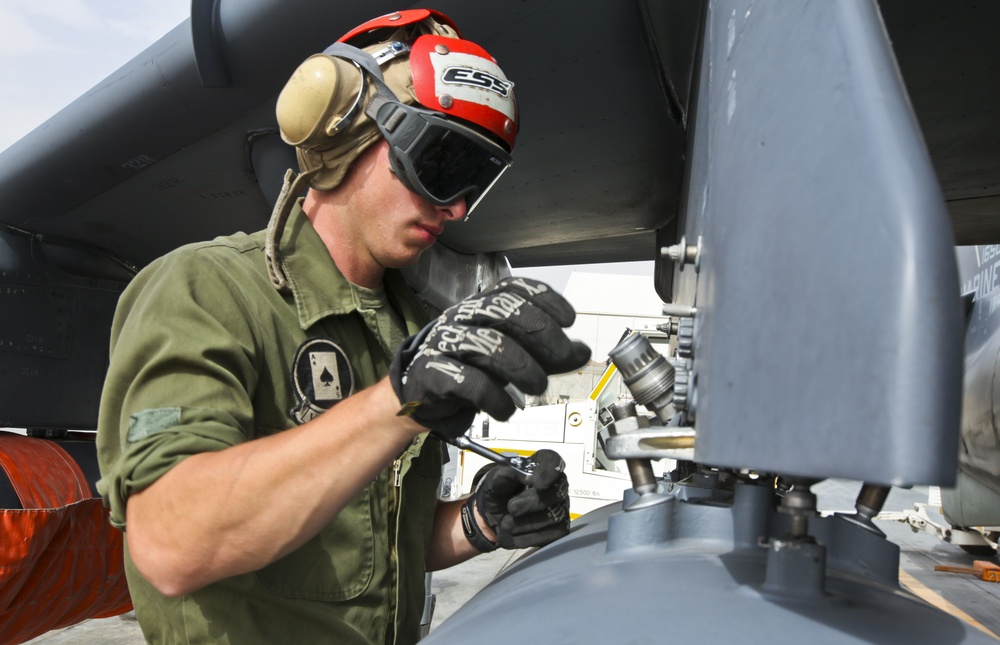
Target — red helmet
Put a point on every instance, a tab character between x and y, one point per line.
450	75
415	60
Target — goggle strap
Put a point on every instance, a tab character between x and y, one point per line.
368	64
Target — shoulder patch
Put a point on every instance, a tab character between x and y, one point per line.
322	377
148	422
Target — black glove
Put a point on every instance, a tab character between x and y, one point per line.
523	513
460	363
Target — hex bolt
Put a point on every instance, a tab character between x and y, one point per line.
871	499
683	253
800	505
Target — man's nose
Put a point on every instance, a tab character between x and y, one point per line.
454	211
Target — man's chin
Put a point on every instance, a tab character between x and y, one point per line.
404	262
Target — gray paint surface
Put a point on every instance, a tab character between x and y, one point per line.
827	341
694	580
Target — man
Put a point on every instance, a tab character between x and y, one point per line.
263	430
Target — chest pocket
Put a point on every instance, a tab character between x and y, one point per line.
336	565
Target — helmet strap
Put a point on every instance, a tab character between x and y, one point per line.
290	189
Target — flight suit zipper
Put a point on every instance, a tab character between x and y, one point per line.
397	482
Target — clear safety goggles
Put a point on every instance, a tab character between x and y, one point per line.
439	159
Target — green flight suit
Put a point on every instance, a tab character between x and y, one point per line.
207	354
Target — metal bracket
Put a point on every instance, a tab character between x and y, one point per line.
656	442
919	520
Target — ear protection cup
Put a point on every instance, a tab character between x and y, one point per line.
316	103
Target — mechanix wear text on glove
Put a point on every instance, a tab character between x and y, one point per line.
460	363
522	511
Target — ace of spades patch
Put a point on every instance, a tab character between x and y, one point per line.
321	376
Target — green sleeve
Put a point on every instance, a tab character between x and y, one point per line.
181	375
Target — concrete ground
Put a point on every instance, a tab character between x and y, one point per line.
119	630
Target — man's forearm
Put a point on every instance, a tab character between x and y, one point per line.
449	546
220	514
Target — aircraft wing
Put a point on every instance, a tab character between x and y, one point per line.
177	145
159	154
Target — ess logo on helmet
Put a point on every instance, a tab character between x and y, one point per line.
477	78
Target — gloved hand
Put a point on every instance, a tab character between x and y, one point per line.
459	363
524	514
